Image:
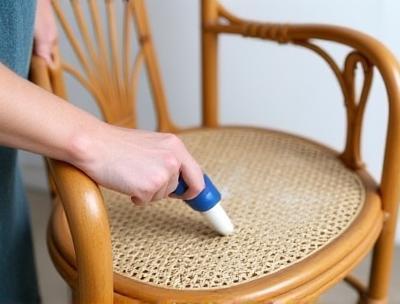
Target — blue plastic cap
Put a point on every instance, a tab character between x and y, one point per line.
206	199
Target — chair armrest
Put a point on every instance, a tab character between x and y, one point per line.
86	215
368	51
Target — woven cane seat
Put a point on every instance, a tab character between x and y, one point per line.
288	199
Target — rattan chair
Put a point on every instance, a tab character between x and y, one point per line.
308	216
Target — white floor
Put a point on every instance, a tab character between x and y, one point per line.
55	291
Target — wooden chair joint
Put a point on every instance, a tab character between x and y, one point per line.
144	38
268	31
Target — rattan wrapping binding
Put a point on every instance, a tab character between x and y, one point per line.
287	197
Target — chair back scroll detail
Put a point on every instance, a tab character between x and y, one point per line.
217	20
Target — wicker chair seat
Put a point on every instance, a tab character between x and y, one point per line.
288	198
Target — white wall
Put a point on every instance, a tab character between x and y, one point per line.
263	83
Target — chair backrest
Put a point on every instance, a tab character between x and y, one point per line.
111	73
110	69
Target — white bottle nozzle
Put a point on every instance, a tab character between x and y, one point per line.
219	220
207	202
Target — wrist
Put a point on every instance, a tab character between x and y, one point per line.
85	144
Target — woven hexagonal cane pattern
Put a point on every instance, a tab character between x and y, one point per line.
287	198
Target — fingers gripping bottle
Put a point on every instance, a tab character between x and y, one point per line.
208	204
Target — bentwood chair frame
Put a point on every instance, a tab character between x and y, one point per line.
92	279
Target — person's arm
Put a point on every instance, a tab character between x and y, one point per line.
145	165
142	164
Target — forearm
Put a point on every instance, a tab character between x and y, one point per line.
145	165
52	126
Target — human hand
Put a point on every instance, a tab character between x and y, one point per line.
45	33
146	165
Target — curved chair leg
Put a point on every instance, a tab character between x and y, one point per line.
381	267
